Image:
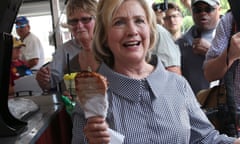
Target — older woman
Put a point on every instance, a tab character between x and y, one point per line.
147	104
81	21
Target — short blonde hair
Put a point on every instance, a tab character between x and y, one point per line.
105	12
89	6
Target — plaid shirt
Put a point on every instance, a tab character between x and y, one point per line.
219	44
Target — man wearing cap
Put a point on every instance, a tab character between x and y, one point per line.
197	40
18	68
33	52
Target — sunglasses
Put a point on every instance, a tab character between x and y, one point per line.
21	26
200	10
83	20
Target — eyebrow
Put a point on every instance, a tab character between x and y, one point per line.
123	17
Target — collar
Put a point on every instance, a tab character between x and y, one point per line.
129	88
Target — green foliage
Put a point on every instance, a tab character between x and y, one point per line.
187	23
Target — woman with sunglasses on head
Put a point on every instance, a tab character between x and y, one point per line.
197	40
81	21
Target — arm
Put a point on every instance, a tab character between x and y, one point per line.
167	50
187	4
175	69
32	62
215	69
32	52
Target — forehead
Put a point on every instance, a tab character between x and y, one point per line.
172	11
79	13
201	4
129	8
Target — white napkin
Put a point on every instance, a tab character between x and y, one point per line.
97	105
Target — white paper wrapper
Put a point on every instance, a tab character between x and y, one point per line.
97	105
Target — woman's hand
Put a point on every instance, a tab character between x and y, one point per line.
96	131
43	78
237	141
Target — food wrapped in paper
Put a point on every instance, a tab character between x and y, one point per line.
91	90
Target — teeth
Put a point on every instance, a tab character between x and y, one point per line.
131	43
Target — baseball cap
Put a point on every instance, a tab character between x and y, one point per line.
21	20
17	43
210	2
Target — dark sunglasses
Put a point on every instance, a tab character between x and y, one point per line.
83	20
21	26
200	10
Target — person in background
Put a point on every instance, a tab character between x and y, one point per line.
167	50
215	65
222	63
187	4
81	21
173	20
147	104
159	9
197	40
165	47
18	67
33	52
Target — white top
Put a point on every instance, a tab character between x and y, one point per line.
33	49
166	48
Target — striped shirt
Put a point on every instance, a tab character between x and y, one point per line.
219	44
160	109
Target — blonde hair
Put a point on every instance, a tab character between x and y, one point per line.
89	6
105	12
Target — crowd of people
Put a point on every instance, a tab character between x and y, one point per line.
154	69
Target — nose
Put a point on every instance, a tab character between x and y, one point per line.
80	24
132	29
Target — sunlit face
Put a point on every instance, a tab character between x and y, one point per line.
205	16
81	25
173	21
22	29
129	33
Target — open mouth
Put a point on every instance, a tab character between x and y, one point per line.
131	44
